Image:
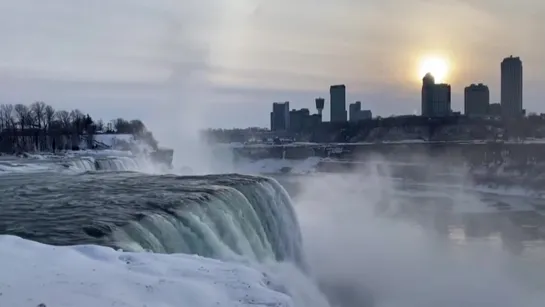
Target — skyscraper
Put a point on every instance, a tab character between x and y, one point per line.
436	98
338	103
280	116
476	100
511	87
428	83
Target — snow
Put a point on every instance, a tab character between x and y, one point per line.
90	276
113	139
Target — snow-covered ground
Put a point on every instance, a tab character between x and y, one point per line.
92	276
113	139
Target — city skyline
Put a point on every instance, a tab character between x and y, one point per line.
211	63
436	97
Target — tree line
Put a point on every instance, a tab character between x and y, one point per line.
39	127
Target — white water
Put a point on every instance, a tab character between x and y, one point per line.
80	161
360	259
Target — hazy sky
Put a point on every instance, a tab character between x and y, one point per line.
221	63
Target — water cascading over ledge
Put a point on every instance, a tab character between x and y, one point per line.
218	216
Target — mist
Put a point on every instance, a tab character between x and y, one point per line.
365	255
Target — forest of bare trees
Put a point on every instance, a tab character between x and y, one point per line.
39	127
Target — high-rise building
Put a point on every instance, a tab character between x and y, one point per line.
441	100
353	109
511	87
476	100
338	103
436	98
428	83
280	116
299	120
357	114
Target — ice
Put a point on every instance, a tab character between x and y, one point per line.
89	276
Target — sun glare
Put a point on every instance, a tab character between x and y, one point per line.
437	66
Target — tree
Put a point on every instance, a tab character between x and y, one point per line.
137	126
23	115
6	116
49	116
38	110
100	125
64	118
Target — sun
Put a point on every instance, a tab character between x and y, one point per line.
437	66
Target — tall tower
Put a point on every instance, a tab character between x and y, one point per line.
428	83
337	95
320	102
511	87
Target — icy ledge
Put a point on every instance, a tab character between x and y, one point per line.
89	276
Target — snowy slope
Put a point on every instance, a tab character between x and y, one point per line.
91	276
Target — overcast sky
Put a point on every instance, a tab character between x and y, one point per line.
221	63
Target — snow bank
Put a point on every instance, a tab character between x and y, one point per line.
113	139
91	276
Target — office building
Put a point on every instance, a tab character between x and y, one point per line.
511	87
357	114
428	82
337	95
436	98
280	116
476	100
299	120
353	110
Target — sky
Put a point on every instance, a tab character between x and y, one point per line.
183	64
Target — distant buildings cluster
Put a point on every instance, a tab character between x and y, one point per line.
436	102
284	119
436	98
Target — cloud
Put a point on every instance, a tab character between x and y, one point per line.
167	59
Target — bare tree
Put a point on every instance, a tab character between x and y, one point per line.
23	114
49	116
7	114
38	110
100	125
64	118
4	121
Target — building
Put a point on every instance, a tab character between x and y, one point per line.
436	98
338	103
428	82
280	116
357	114
511	87
353	109
494	109
299	120
476	100
320	103
441	100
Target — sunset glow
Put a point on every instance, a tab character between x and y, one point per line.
437	66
